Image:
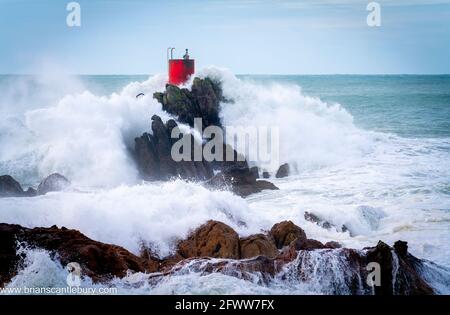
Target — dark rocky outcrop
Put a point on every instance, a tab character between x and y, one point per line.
399	269
154	158
9	187
53	182
203	101
266	174
283	171
258	245
153	150
97	260
212	239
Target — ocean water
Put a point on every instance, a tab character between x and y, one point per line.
371	153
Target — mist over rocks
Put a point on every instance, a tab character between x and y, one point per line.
9	187
53	182
153	154
241	180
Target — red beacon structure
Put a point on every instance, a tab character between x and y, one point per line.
179	69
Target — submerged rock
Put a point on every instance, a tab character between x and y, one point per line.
241	181
53	182
318	220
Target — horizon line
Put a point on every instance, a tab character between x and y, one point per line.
237	74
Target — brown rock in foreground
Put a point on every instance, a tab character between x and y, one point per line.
97	260
341	270
258	245
212	239
284	233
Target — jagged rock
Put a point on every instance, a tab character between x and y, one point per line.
97	260
53	182
9	187
146	158
163	146
284	233
283	171
154	157
401	248
212	239
258	245
399	275
152	151
203	101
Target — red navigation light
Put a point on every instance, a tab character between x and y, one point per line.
180	69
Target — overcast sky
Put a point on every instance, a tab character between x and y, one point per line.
246	36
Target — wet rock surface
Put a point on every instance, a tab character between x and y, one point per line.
284	233
202	101
258	245
153	150
257	255
213	239
98	260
